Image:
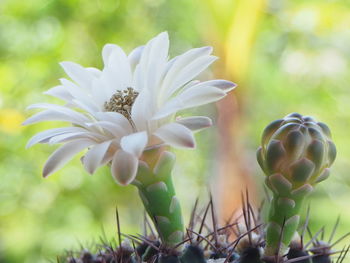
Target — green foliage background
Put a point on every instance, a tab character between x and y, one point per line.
299	62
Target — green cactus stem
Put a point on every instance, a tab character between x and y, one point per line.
158	196
295	155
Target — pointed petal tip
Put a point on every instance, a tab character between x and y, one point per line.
191	146
122	181
124	167
90	172
64	64
208	48
227	85
45	173
164	34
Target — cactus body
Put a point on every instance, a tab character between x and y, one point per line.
193	254
158	196
295	155
295	253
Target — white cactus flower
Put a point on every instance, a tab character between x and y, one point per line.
128	107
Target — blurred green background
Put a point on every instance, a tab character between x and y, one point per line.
286	56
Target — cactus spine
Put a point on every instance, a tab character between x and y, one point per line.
295	154
158	196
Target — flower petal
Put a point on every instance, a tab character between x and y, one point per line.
115	129
75	136
153	60
107	51
77	73
50	115
176	135
44	136
64	154
135	56
179	62
195	123
141	111
124	167
60	92
192	97
134	143
119	63
93	158
189	72
222	84
197	96
95	71
59	109
80	97
116	118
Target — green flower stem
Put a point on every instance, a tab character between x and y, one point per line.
157	193
284	216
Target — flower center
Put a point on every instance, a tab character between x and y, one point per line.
122	101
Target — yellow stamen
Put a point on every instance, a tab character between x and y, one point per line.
122	102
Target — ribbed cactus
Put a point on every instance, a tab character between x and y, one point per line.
158	196
295	154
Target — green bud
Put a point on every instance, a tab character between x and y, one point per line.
295	154
297	147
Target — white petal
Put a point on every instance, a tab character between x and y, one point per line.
124	167
134	56
93	158
116	118
181	61
137	81
60	92
119	62
222	84
189	72
134	143
75	136
115	129
51	115
111	81
81	97
197	96
64	154
153	60
110	152
99	93
195	123
107	51
59	109
95	71
79	74
44	136
176	135
192	97
141	111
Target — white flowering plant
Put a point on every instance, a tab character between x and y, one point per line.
125	116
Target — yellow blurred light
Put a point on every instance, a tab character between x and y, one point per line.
11	121
241	35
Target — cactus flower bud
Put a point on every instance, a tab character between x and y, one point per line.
295	154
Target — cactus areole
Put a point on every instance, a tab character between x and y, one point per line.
295	154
